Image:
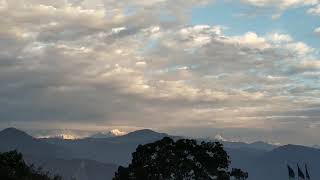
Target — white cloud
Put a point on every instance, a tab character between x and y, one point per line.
92	61
300	48
278	6
250	39
279	38
315	10
282	4
310	64
317	31
118	30
141	63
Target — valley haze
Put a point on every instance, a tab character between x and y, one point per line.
99	158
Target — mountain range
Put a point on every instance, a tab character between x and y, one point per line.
97	158
111	133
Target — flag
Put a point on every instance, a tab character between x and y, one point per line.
300	174
307	173
292	176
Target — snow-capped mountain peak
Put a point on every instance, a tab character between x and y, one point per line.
117	132
59	136
111	133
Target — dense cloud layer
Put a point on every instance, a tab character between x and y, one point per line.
89	63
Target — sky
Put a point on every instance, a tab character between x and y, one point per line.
245	70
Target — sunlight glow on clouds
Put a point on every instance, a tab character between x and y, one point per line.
120	63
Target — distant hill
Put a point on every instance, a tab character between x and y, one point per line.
272	164
53	157
108	150
102	135
89	157
76	168
255	145
12	139
144	135
316	146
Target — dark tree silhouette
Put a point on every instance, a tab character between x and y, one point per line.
179	160
238	174
13	167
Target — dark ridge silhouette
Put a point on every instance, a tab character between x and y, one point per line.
144	132
12	139
263	161
142	135
53	157
295	148
102	135
14	132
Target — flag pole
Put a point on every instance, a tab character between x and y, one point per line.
298	171
307	172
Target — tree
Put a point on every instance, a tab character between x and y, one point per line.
13	167
238	174
179	160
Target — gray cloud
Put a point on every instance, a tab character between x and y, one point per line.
98	63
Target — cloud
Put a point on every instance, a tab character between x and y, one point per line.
317	31
281	4
280	38
277	7
250	40
138	64
315	10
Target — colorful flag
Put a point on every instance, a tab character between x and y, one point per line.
307	173
300	174
292	176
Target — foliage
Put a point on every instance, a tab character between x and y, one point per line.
239	174
13	167
179	160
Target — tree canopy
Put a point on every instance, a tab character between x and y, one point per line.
183	159
13	167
